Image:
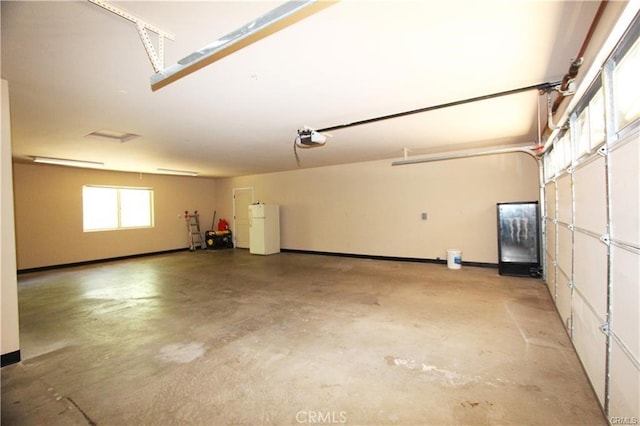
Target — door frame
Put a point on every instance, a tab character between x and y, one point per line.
233	203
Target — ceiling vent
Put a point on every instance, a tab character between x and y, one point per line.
113	135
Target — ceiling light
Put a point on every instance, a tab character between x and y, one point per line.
113	135
178	172
64	162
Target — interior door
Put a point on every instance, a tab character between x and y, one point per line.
242	198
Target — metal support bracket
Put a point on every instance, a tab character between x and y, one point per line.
605	239
275	20
604	328
157	59
602	151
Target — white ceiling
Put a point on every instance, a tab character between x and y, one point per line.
74	68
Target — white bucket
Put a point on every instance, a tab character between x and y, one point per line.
454	259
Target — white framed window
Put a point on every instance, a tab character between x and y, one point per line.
589	126
549	170
582	133
626	85
107	208
596	120
562	148
558	157
568	153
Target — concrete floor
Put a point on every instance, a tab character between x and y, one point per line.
225	337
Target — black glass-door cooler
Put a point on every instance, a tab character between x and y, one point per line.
518	239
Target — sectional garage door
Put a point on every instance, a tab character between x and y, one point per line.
591	233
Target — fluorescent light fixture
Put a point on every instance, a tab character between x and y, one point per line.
178	172
71	163
531	150
273	21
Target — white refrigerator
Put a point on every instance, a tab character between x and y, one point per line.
264	229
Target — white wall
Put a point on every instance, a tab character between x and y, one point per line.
10	341
373	208
48	205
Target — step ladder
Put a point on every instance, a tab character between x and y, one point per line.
193	230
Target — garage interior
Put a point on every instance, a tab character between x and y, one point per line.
387	133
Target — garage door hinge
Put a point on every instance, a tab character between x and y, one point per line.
605	239
570	283
604	328
602	151
571	227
